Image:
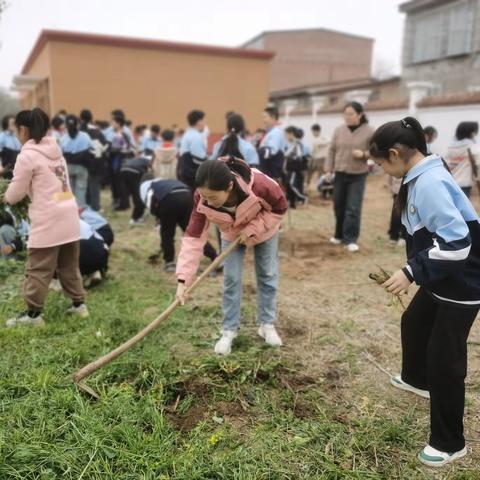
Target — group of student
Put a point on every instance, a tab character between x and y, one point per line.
243	191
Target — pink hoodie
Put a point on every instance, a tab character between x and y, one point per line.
41	173
259	216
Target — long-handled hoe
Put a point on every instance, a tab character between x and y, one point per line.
87	370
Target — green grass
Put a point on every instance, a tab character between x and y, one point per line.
169	408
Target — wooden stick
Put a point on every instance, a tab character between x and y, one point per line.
102	361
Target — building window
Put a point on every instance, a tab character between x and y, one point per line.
443	32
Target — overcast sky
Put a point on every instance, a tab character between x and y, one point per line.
197	21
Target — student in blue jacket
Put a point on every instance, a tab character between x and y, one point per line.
236	124
443	250
10	146
272	146
77	148
193	151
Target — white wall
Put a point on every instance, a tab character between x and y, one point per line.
444	119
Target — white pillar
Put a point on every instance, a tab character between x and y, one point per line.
417	92
360	96
288	106
318	102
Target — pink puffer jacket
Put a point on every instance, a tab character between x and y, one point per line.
259	216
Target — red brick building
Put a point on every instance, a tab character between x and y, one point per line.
314	56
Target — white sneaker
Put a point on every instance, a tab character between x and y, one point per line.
96	278
397	381
25	320
269	333
435	458
401	242
138	221
81	310
335	241
224	344
352	247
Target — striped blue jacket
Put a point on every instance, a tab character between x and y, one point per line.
443	242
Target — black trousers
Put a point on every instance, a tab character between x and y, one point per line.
396	230
117	184
93	256
347	202
132	182
295	181
175	209
434	348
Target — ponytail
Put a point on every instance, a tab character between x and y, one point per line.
406	133
230	145
36	121
72	125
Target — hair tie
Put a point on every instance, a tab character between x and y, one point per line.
233	130
405	124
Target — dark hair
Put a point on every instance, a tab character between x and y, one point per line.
230	145
403	133
273	112
217	174
63	112
72	125
299	133
227	114
57	122
430	131
6	120
86	115
36	121
119	119
316	127
139	129
194	117
102	124
291	129
168	135
118	113
155	128
465	130
358	107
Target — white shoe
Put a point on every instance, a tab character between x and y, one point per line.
269	333
96	278
224	344
397	381
25	320
55	285
335	241
435	458
138	221
401	242
81	310
352	247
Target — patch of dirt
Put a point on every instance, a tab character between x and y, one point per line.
188	421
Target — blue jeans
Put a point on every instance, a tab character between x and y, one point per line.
78	176
266	269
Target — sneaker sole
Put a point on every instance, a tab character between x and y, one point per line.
407	388
452	458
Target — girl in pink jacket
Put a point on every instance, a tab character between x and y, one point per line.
53	245
245	203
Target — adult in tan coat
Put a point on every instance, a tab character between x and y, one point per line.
347	158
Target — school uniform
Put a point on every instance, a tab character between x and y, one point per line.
193	152
248	151
10	147
170	201
461	154
149	144
296	162
9	235
99	224
93	250
132	172
271	153
443	250
78	154
120	150
97	166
